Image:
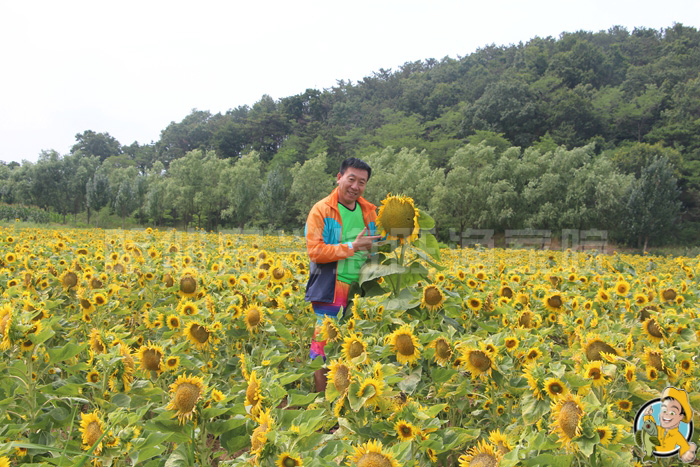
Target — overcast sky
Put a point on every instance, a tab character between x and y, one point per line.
130	68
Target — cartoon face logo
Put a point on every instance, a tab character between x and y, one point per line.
663	427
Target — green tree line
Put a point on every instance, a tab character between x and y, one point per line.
554	133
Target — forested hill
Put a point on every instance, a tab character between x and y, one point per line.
631	98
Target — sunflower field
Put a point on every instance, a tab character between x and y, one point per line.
156	348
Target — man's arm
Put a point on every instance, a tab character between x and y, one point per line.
321	252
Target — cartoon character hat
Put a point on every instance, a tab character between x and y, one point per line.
682	397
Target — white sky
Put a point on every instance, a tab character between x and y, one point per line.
129	67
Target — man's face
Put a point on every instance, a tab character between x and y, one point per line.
670	416
351	185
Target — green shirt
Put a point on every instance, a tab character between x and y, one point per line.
353	224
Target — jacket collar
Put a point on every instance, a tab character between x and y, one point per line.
332	201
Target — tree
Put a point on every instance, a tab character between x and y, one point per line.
310	183
274	197
243	180
100	145
97	192
652	204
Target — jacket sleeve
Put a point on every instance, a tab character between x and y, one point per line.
319	251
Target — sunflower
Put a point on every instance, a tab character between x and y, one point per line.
406	431
96	343
188	283
567	413
595	347
188	308
653	330
594	371
511	343
478	362
339	375
173	322
500	442
443	350
91	429
398	218
555	388
652	359
686	366
278	274
93	376
197	334
624	404
124	371
622	288
605	434
353	347
603	295
405	345
372	454
185	392
287	460
254	316
329	330
4	461
481	455
99	299
433	297
474	303
371	384
532	354
171	363
669	294
69	279
526	319
554	302
151	358
630	373
253	395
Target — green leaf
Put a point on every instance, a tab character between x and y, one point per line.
121	400
373	271
425	221
559	460
427	244
409	383
283	332
66	352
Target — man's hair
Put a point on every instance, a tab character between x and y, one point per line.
667	398
355	163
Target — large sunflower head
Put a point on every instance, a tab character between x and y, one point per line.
433	297
185	392
91	430
288	460
653	330
198	334
443	350
254	316
595	347
188	283
369	384
405	431
253	393
479	362
554	302
404	344
555	388
372	454
339	375
481	455
329	330
151	357
567	413
398	218
353	347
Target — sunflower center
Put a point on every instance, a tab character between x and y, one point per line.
199	333
595	348
331	331
669	294
253	317
479	360
373	459
70	280
186	396
404	344
355	349
442	349
555	301
92	433
525	320
655	361
507	292
654	329
433	296
85	303
483	459
569	416
151	359
397	218
278	273
289	462
405	430
341	379
188	284
556	388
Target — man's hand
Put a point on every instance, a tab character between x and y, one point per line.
364	242
689	454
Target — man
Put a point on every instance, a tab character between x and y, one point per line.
675	408
339	231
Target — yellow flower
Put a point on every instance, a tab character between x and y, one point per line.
398	219
371	384
405	345
478	362
185	392
253	394
554	302
595	347
287	460
339	375
197	334
405	431
482	454
594	372
605	434
329	329
353	347
372	454
567	413
443	350
653	330
151	357
254	317
91	430
622	288
433	297
555	388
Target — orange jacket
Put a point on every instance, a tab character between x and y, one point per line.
323	232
